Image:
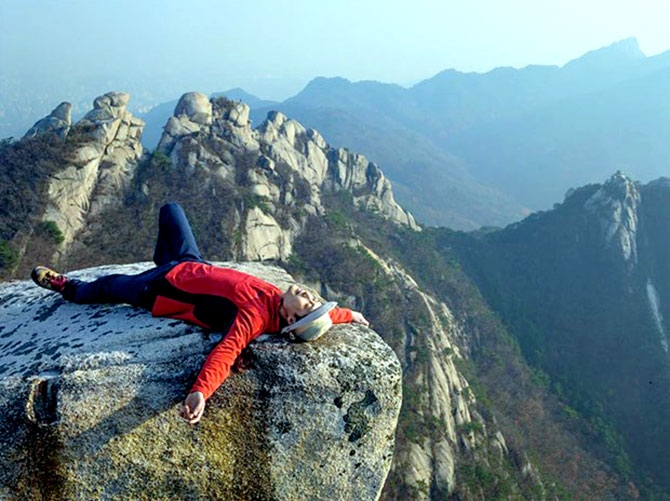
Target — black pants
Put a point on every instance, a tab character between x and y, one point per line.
175	244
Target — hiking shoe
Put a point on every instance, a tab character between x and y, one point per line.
48	279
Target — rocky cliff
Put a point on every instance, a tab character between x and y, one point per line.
600	259
445	426
287	168
102	162
57	122
283	164
615	206
90	398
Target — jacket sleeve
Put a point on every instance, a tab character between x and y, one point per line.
340	315
217	365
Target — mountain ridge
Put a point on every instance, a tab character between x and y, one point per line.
393	125
450	109
602	253
280	194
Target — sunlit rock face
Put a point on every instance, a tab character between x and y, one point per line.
57	122
287	169
104	155
284	164
91	394
441	425
616	206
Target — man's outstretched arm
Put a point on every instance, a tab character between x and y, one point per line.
217	366
358	318
345	316
193	407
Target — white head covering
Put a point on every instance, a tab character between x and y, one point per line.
312	326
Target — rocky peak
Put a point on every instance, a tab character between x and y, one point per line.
626	48
63	112
106	151
237	115
110	105
280	139
371	189
108	119
284	164
194	107
57	122
610	57
621	187
90	399
615	207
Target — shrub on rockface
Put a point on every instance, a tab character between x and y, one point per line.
327	252
50	230
25	167
9	257
127	233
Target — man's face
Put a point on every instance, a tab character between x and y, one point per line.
296	303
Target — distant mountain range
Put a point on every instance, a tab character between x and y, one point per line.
466	150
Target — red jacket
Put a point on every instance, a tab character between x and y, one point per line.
238	304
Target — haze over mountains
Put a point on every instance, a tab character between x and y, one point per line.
510	140
463	150
466	150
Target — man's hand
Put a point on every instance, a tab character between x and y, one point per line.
193	407
358	318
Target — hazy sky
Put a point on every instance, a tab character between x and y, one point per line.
274	47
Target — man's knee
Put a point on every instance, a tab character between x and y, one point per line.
170	207
170	211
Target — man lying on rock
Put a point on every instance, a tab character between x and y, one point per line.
184	286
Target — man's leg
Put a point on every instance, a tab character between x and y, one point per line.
175	243
175	239
117	288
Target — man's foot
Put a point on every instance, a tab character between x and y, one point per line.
48	279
